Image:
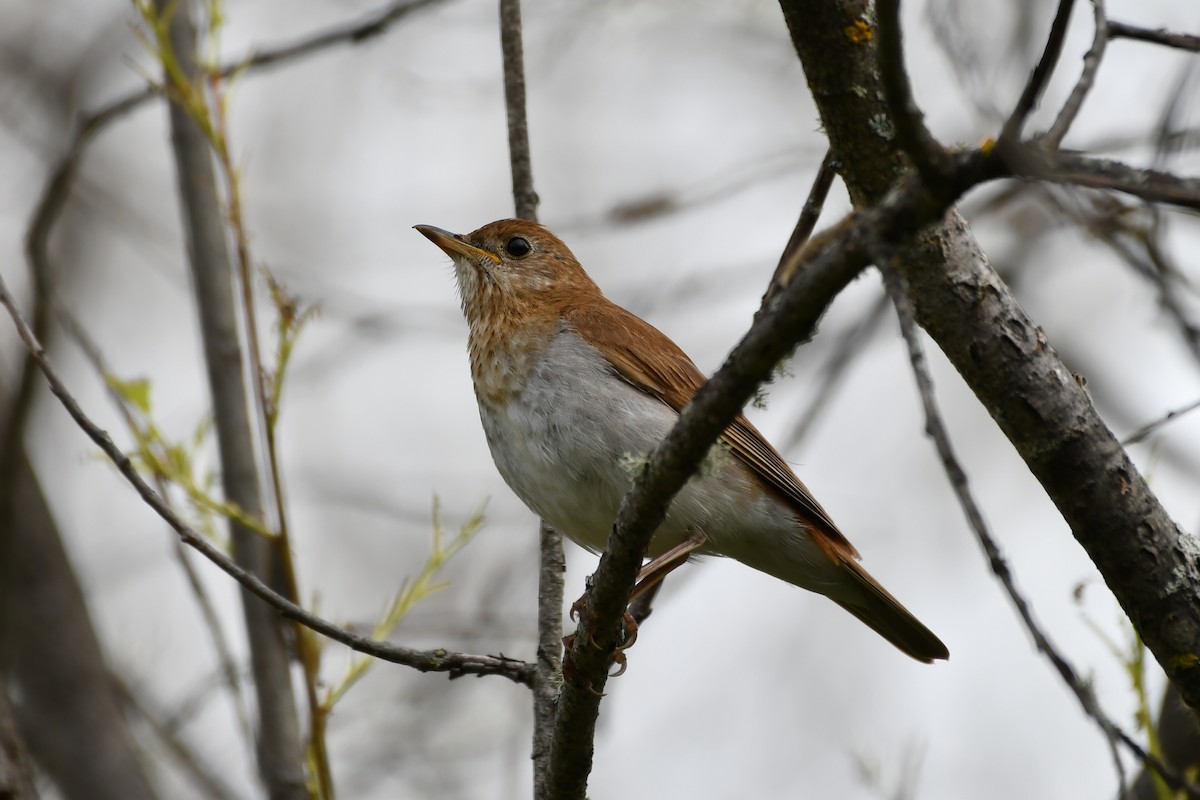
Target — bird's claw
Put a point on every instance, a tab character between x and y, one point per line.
629	634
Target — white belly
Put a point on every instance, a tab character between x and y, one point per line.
570	443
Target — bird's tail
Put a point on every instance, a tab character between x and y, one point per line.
886	616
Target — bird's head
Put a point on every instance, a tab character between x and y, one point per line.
512	267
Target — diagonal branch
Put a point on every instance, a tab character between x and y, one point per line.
1153	185
927	155
1010	134
438	660
1087	79
1151	565
936	430
1142	433
810	213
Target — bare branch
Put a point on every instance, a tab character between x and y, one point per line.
1147	560
551	562
923	150
1087	79
1181	41
1153	185
208	612
936	430
439	660
810	213
547	671
280	748
1142	433
525	197
370	25
1011	133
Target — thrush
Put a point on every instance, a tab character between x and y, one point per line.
574	391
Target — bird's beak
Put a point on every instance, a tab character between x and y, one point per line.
453	245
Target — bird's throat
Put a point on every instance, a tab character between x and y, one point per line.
504	348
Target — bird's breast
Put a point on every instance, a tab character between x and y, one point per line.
569	440
568	432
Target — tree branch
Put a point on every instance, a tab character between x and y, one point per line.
438	660
1180	41
280	748
547	671
1087	79
1148	562
927	155
810	213
1072	169
1011	132
551	560
1142	433
514	103
936	430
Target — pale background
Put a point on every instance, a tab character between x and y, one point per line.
740	686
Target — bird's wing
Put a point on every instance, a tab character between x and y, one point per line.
648	359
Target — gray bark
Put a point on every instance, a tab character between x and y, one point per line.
1147	561
280	753
66	704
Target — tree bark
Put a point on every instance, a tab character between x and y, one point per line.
16	772
67	710
280	752
1147	561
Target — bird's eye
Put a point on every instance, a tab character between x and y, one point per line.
517	247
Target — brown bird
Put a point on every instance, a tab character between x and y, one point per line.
573	390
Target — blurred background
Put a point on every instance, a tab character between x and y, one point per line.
673	145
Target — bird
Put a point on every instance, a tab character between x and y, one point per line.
574	392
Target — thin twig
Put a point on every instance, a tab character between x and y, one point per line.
1181	41
1142	433
519	156
1087	79
439	660
551	559
280	750
212	622
1010	134
810	214
547	673
927	155
1164	142
1137	246
1155	186
936	430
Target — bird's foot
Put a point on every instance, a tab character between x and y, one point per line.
629	634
